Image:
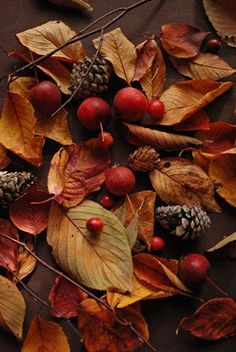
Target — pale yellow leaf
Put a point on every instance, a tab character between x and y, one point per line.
223	243
76	4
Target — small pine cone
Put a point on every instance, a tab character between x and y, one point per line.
96	81
186	222
14	184
144	159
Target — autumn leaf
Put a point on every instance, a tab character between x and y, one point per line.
222	172
181	40
12	309
101	331
65	298
198	121
44	335
28	217
214	320
222	15
203	66
185	98
78	170
117	49
146	52
49	36
17	129
22	86
142	136
179	181
131	228
76	4
4	159
26	262
8	249
226	243
100	262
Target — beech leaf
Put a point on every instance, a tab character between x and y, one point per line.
214	320
12	309
49	36
226	243
101	331
76	4
22	86
78	170
117	49
101	262
203	66
185	98
8	249
17	129
4	159
198	121
181	40
142	136
179	181
26	262
44	335
28	217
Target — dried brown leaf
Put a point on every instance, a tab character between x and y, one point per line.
4	159
26	262
22	86
226	244
146	52
75	4
8	249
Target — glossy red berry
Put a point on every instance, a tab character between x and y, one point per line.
193	270
131	104
95	225
93	111
157	244
106	139
45	97
120	180
156	109
107	201
213	45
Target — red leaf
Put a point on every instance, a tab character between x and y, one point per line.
198	121
220	137
146	52
8	249
28	217
65	298
214	320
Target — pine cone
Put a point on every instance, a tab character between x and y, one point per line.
144	159
13	184
96	81
186	222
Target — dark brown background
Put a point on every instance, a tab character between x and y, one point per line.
163	315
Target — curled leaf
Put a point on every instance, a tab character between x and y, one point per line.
181	40
179	181
76	4
226	243
8	249
146	52
214	320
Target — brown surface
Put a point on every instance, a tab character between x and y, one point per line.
163	316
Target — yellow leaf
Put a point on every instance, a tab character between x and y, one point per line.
26	262
44	335
100	261
22	86
17	129
183	99
117	49
222	171
12	307
179	181
76	4
49	36
4	160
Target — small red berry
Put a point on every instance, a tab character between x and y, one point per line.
156	109
213	45
193	270
157	244
120	180
106	139
107	201
95	225
93	111
131	104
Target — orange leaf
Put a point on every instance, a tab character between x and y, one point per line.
8	249
17	129
44	335
198	121
77	171
146	52
4	159
49	36
181	40
102	332
185	98
28	217
22	86
26	262
214	320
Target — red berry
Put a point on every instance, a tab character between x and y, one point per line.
130	104
107	139
45	97
193	270
120	180
95	225
93	111
156	109
213	45
107	202
157	244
